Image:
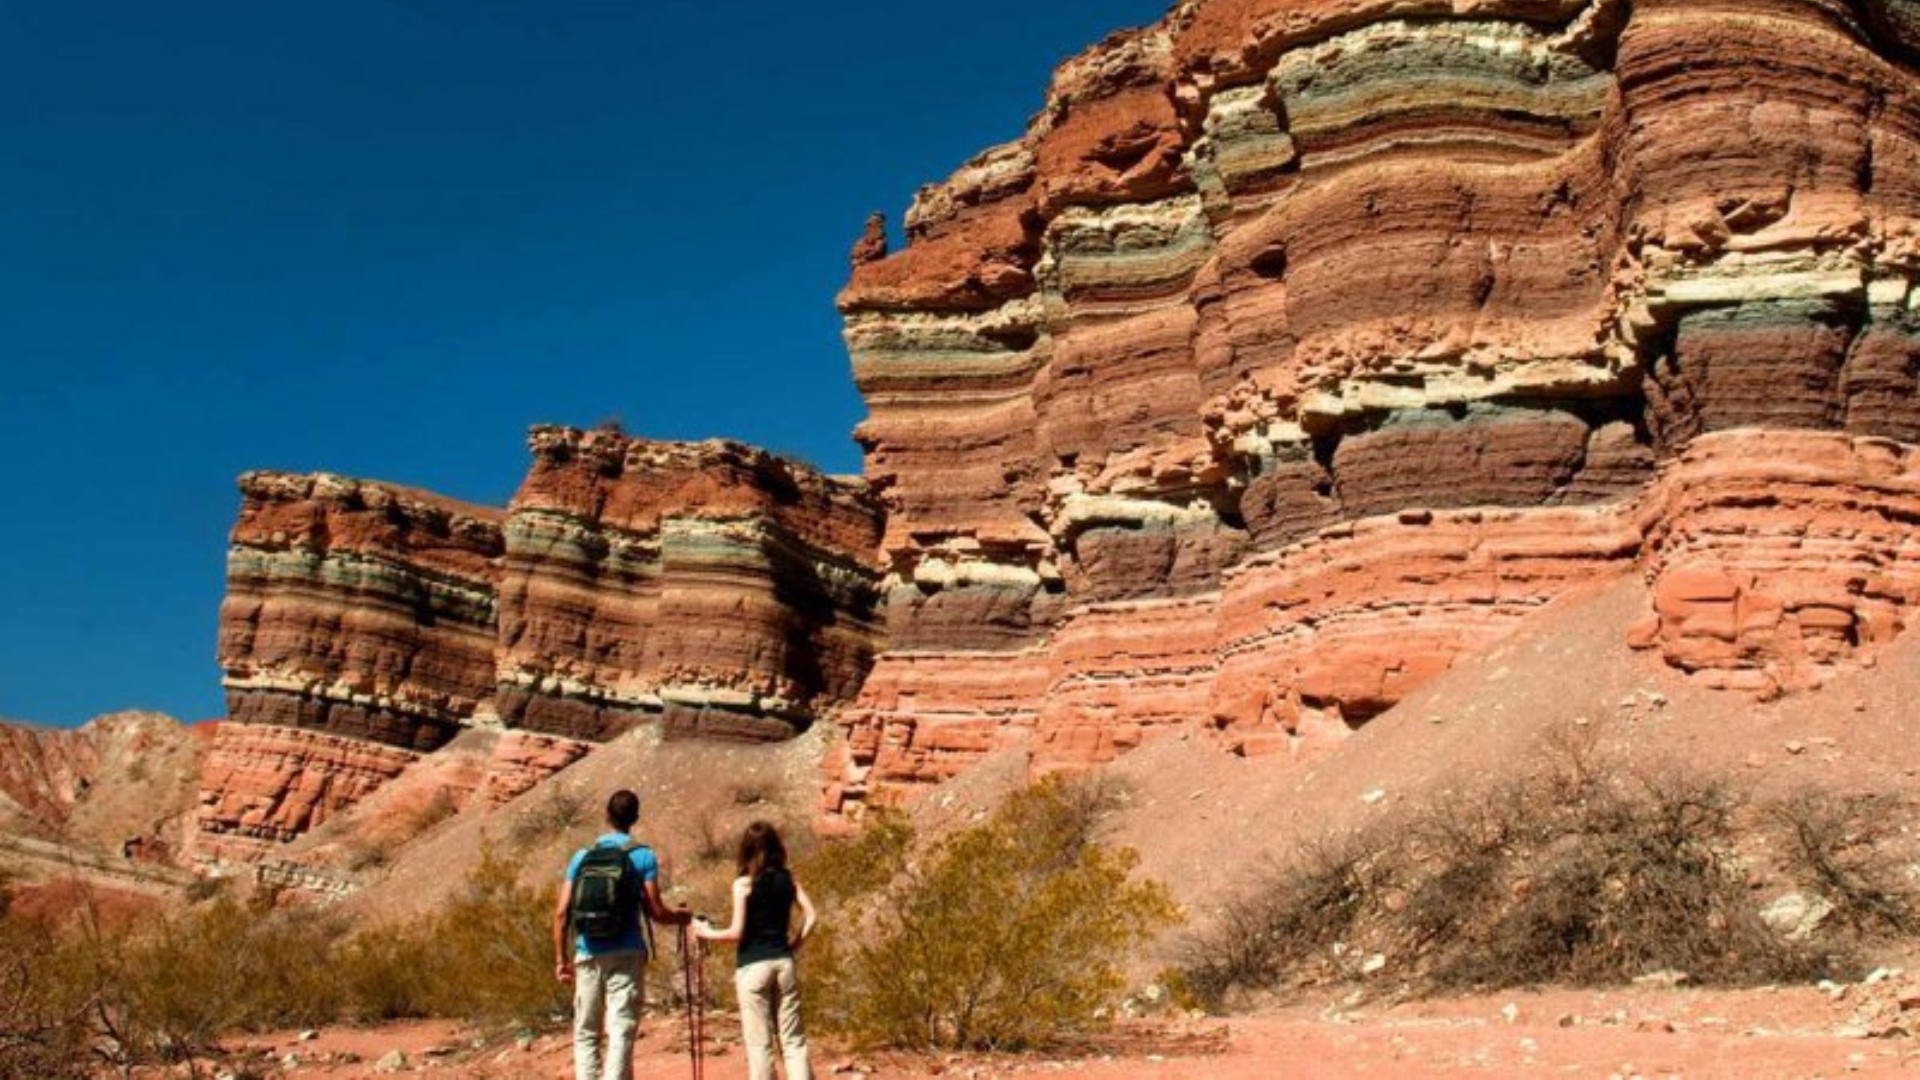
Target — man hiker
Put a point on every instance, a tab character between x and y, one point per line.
612	889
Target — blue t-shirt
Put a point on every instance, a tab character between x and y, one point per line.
632	940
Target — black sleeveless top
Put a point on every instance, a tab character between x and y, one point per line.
769	917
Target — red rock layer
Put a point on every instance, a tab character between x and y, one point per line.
711	587
1298	347
359	609
1776	557
521	760
265	784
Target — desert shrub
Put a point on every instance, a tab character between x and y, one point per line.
1005	935
486	957
495	956
1581	873
1636	876
180	982
46	1005
1298	911
1838	846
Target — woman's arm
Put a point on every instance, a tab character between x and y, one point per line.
807	916
731	932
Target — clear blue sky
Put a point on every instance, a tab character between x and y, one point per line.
382	237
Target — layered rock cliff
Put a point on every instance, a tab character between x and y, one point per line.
711	587
1300	346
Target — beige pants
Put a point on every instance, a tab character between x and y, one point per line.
770	1001
608	991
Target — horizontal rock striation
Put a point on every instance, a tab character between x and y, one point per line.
1298	347
711	587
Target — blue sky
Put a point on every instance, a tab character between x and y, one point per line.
383	237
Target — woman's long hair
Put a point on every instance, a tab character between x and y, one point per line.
761	850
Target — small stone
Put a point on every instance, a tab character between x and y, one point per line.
393	1061
1373	797
308	1035
1510	1013
1796	747
1373	964
1567	1020
1880	975
1665	980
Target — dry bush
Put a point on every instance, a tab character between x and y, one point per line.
1839	847
1636	876
484	957
1006	935
1581	873
46	1010
1299	912
164	991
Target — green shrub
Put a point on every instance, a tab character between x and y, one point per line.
1006	935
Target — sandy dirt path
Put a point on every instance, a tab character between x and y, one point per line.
1790	1032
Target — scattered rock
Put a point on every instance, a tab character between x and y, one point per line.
393	1061
1796	914
1665	980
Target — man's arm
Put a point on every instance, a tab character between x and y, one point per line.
658	910
562	948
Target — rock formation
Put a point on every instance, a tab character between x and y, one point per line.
120	786
1301	345
712	587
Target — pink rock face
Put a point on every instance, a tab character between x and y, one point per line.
1777	557
710	587
265	784
1298	348
521	760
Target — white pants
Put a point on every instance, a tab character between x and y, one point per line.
770	1001
608	991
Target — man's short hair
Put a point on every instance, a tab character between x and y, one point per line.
623	809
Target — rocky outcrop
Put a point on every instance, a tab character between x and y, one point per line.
1297	348
710	587
359	610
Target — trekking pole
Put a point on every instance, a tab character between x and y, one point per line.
695	980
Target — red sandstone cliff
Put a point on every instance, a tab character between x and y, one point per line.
711	587
1301	346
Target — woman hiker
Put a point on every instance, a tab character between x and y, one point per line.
764	897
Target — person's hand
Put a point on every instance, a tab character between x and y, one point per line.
563	971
